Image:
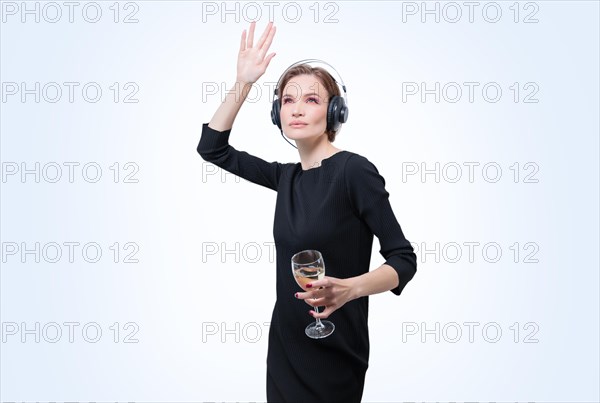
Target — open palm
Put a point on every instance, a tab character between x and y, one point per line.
252	63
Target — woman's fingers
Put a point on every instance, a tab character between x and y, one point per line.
264	43
316	297
267	44
325	314
316	302
251	35
243	41
268	59
310	294
264	35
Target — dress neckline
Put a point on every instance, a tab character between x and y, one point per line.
323	161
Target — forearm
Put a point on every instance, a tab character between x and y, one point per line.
384	278
225	115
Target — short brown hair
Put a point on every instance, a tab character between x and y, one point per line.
324	77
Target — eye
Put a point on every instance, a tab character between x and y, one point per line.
309	99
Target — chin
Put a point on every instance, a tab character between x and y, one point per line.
293	134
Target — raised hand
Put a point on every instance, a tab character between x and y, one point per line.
252	64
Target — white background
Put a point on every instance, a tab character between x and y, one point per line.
200	319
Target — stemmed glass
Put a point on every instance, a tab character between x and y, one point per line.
307	266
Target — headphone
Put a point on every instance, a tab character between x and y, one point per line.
337	109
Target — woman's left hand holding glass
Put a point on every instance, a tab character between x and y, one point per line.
330	292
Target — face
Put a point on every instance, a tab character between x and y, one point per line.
304	99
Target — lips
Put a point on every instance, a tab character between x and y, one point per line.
297	123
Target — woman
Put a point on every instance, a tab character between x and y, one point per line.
333	201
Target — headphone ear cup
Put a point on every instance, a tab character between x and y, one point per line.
344	112
275	113
337	113
331	113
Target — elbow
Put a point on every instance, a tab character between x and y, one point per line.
405	264
205	154
409	256
209	154
213	144
413	259
212	153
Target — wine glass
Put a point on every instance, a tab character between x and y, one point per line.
307	266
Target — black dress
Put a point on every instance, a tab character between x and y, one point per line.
335	208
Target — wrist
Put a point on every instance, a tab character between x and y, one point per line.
243	83
355	287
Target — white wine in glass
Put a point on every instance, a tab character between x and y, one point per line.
308	266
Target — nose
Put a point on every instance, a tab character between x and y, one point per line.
296	111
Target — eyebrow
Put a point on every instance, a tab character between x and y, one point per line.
306	95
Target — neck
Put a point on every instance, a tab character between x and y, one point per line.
313	151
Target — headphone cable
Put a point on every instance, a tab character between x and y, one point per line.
287	139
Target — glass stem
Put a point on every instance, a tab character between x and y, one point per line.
319	325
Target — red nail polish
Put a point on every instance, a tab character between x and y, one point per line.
296	295
308	285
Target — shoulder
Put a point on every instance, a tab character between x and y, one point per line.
364	184
358	168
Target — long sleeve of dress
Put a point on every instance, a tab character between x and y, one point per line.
370	201
214	147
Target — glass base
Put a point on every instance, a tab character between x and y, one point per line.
318	332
